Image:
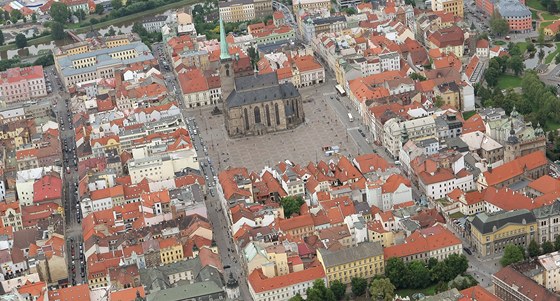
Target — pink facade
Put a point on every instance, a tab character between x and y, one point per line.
21	84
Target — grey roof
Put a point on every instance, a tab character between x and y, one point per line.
154	19
488	223
259	88
103	59
186	292
426	142
512	8
457	144
329	20
548	210
363	250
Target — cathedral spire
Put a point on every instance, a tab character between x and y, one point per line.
224	51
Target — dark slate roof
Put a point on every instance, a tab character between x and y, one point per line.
259	88
547	211
485	223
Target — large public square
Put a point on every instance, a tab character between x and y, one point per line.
301	145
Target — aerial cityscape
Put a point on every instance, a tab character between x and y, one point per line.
279	150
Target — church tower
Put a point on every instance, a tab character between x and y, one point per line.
226	65
512	149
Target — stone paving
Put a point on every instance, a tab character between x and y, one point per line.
300	145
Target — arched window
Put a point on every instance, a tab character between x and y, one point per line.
257	115
246	119
277	112
267	115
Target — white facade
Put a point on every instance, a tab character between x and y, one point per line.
551	264
283	293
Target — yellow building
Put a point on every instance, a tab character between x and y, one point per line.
170	250
448	40
378	234
491	233
237	10
365	261
311	4
450	94
449	6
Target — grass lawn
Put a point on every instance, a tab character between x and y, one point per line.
469	114
522	46
545	24
536	4
429	291
534	14
549	17
456	215
499	42
506	81
552	126
550	57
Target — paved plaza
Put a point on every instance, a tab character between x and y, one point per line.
300	145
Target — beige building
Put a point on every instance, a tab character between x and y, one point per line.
21	84
449	6
311	4
237	10
551	265
99	63
365	260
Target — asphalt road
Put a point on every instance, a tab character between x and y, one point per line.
73	229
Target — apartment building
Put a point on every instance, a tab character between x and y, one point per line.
491	233
551	266
283	287
548	222
365	260
448	40
512	285
517	15
100	63
449	6
311	4
396	131
237	10
21	84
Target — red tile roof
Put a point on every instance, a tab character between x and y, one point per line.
545	184
295	222
259	283
47	188
473	124
524	285
515	168
71	293
128	294
423	241
451	36
393	182
478	293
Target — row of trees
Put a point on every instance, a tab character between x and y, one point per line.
550	5
416	274
336	291
14	16
147	37
514	254
497	66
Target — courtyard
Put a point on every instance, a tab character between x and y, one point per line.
301	145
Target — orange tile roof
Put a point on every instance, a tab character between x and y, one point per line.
306	63
371	162
393	182
441	175
508	199
515	168
478	293
71	293
34	289
128	294
473	124
376	227
545	184
229	186
168	243
482	43
422	241
259	283
295	222
554	26
111	192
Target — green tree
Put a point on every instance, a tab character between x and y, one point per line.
541	54
57	31
531	47
359	286
491	76
34	18
6	15
397	272
547	247
80	14
99	9
417	76
515	63
116	4
557	59
441	272
533	249
350	11
540	38
512	254
59	12
317	292
254	55
557	241
139	29
111	32
329	295
2	40
21	41
420	274
498	25
291	205
15	15
45	60
338	288
382	289
457	264
552	7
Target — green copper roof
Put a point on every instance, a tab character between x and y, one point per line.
224	52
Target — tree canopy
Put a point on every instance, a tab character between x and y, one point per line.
57	31
382	289
291	205
59	12
499	25
512	254
359	286
21	41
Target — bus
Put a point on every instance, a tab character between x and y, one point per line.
350	117
340	90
